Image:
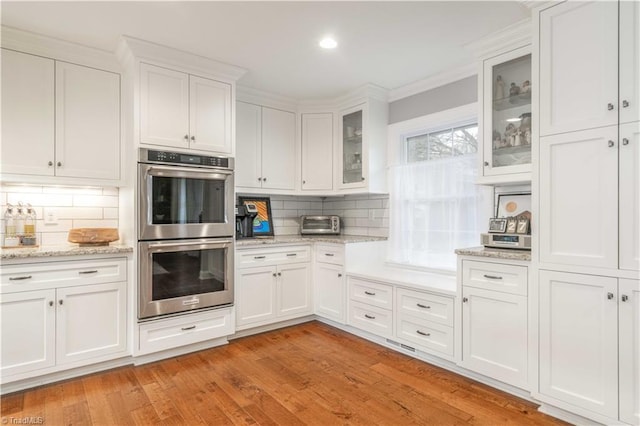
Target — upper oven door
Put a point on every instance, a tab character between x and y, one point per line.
184	202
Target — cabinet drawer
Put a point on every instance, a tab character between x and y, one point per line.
61	274
248	258
330	253
371	293
495	276
425	306
427	334
371	318
184	330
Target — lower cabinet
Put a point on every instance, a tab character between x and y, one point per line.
495	320
589	344
278	291
74	316
329	284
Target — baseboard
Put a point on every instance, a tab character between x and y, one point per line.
182	350
567	416
271	327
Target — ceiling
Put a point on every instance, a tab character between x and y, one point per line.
390	44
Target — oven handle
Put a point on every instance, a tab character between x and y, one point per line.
203	244
188	172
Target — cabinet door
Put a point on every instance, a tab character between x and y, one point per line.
351	152
248	145
28	331
578	198
255	295
87	122
27	114
317	151
294	290
629	61
579	340
164	107
330	293
210	115
630	196
278	149
91	321
629	320
578	66
494	335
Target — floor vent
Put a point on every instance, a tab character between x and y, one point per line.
401	345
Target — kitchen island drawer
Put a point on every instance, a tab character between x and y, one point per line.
425	306
330	253
184	330
371	318
371	293
248	258
495	277
427	334
61	274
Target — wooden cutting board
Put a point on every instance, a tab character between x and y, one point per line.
92	237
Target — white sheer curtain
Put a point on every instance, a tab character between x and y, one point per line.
435	208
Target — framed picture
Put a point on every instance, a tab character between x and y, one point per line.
512	225
497	225
263	222
523	226
511	205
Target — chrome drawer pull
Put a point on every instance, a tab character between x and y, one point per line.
422	333
368	293
492	277
26	277
95	271
420	305
259	257
292	254
369	316
188	328
329	254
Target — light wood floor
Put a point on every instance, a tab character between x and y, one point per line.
307	374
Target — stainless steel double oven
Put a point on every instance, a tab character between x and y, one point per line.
185	232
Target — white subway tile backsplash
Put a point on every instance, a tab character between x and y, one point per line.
54	239
60	226
71	190
95	201
356	213
75	212
40	199
21	189
110	213
369	204
110	191
95	223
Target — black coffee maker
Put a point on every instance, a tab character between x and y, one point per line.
244	220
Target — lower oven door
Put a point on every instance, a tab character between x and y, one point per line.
183	275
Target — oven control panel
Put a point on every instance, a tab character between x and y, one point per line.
183	159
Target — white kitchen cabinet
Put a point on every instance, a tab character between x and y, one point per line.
371	306
317	151
59	119
506	117
28	331
629	196
329	283
184	111
272	284
91	321
361	149
578	65
266	148
87	122
62	315
28	114
579	192
629	341
629	61
579	341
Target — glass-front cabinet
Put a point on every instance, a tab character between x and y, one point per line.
507	138
352	161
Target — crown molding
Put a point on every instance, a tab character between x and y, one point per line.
156	53
509	38
264	98
434	81
40	45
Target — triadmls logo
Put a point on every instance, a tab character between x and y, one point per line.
193	301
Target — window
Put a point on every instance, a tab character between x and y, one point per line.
435	205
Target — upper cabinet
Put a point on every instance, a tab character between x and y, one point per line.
266	148
59	120
181	110
580	65
317	151
506	117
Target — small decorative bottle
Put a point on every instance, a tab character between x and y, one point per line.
10	238
29	238
20	217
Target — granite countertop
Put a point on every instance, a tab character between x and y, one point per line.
292	239
61	250
495	253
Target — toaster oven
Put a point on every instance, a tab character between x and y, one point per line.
319	225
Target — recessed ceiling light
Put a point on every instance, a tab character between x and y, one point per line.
328	43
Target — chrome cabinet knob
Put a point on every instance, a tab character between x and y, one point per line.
625	297
50	163
610	296
50	302
465	300
193	138
486	164
259	179
186	137
339	275
612	144
625	141
610	106
625	103
60	302
274	274
264	179
59	164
